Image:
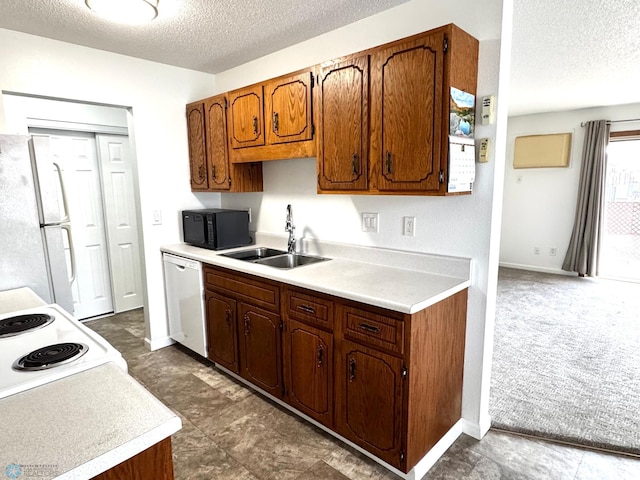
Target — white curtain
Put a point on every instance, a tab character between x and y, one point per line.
584	247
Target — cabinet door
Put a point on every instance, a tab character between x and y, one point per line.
197	149
309	370
215	110
369	400
246	117
221	331
343	125
288	108
260	348
407	83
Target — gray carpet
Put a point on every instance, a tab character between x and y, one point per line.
566	362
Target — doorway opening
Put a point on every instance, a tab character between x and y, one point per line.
620	240
102	247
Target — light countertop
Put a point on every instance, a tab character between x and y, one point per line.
405	282
81	425
19	299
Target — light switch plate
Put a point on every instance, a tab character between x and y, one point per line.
370	222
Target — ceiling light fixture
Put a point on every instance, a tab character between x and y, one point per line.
125	11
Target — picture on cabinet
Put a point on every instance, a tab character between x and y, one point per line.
461	113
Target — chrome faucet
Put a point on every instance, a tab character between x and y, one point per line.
289	227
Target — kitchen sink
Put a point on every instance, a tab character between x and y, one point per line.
274	258
290	260
253	254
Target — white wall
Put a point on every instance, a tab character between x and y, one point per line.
540	203
459	226
157	95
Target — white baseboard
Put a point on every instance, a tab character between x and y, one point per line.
433	455
416	473
535	268
158	343
477	430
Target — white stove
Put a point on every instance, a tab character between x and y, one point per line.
57	346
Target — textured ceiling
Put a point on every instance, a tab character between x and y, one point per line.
205	35
573	54
567	54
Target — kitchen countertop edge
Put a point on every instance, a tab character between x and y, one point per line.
316	277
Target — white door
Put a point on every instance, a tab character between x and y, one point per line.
76	154
121	225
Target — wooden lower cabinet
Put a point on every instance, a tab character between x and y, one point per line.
308	363
369	392
222	345
260	348
154	463
387	381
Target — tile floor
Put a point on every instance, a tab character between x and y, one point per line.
231	432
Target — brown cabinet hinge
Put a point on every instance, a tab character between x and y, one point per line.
441	177
405	373
445	46
401	455
313	80
313	130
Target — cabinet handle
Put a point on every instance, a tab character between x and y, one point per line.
387	163
352	369
307	309
369	328
255	125
320	355
275	122
213	172
355	165
247	324
227	319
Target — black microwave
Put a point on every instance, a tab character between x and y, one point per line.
216	228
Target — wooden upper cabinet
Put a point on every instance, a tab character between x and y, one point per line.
217	144
407	82
288	108
343	126
246	117
210	168
197	147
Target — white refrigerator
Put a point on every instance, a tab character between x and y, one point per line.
36	243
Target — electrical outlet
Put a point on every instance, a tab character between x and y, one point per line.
370	222
409	226
553	251
536	250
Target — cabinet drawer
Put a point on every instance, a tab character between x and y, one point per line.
371	329
244	287
308	308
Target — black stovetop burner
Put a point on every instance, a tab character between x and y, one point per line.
23	323
51	356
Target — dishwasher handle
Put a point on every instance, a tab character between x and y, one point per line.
181	263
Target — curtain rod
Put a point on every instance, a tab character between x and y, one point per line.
582	124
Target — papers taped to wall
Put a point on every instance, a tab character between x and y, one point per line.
462	164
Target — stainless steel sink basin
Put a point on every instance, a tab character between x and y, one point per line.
274	258
253	254
290	260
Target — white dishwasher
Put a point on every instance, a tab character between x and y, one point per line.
185	305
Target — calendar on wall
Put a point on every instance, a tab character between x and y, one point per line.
462	164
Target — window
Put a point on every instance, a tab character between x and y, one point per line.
620	242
